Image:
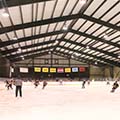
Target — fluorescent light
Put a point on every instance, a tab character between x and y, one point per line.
87	47
23	58
49	52
118	56
105	36
19	49
76	54
72	56
96	63
65	27
14	38
5	14
56	42
82	2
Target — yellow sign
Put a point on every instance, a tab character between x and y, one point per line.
67	70
37	69
44	69
53	70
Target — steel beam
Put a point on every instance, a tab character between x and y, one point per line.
58	19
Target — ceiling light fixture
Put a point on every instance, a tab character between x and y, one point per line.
72	56
96	63
14	38
5	14
82	2
56	42
76	54
23	58
118	56
87	47
65	27
4	8
19	49
49	52
105	36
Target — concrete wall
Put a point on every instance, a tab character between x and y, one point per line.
113	72
109	72
96	72
40	61
116	72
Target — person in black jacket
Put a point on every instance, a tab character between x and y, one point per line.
44	84
8	84
83	83
115	86
36	83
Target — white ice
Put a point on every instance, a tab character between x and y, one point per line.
67	102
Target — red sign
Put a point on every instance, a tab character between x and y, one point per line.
60	70
82	69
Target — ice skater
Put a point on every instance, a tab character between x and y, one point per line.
44	84
8	84
18	84
83	84
88	82
61	82
107	82
36	83
115	86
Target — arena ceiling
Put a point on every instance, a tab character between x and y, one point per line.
86	31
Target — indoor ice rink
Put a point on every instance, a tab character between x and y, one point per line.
59	59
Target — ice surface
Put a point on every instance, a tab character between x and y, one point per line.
57	102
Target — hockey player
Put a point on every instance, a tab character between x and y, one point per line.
36	83
44	84
61	82
108	82
8	84
88	82
115	86
83	84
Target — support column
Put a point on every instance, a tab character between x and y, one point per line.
51	59
33	67
69	62
112	72
89	70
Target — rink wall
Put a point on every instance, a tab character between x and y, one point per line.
4	67
100	73
117	72
96	72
